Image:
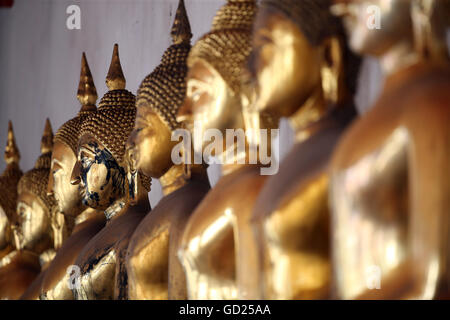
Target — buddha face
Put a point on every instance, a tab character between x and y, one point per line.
67	195
33	221
150	145
4	228
209	102
285	67
100	178
395	24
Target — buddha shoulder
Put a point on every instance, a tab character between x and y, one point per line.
416	104
234	194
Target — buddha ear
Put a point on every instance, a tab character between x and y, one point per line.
331	70
134	181
133	178
430	19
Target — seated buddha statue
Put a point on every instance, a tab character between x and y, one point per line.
302	70
211	246
33	235
11	288
88	222
101	173
390	171
8	199
60	228
154	271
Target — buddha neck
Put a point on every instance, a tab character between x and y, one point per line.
25	255
114	209
173	179
141	200
46	257
400	56
62	226
87	214
239	159
69	222
304	120
6	250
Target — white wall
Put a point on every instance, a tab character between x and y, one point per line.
40	60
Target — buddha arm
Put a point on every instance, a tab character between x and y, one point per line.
97	281
208	256
418	275
121	277
147	267
296	239
430	190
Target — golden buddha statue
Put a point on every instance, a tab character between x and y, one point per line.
8	199
390	172
101	173
14	283
154	271
301	69
218	233
33	235
88	222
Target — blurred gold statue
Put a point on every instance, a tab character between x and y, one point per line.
154	271
390	173
8	198
32	231
60	228
101	173
88	222
12	282
218	230
302	70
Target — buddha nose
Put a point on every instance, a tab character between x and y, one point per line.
76	172
185	112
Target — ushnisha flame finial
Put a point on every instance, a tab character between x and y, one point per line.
35	181
87	93
47	138
115	79
164	89
181	28
12	154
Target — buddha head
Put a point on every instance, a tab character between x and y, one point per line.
159	97
34	207
64	155
299	51
216	63
8	185
394	20
100	170
377	26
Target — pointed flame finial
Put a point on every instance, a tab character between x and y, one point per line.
181	28
12	154
115	79
47	138
87	93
